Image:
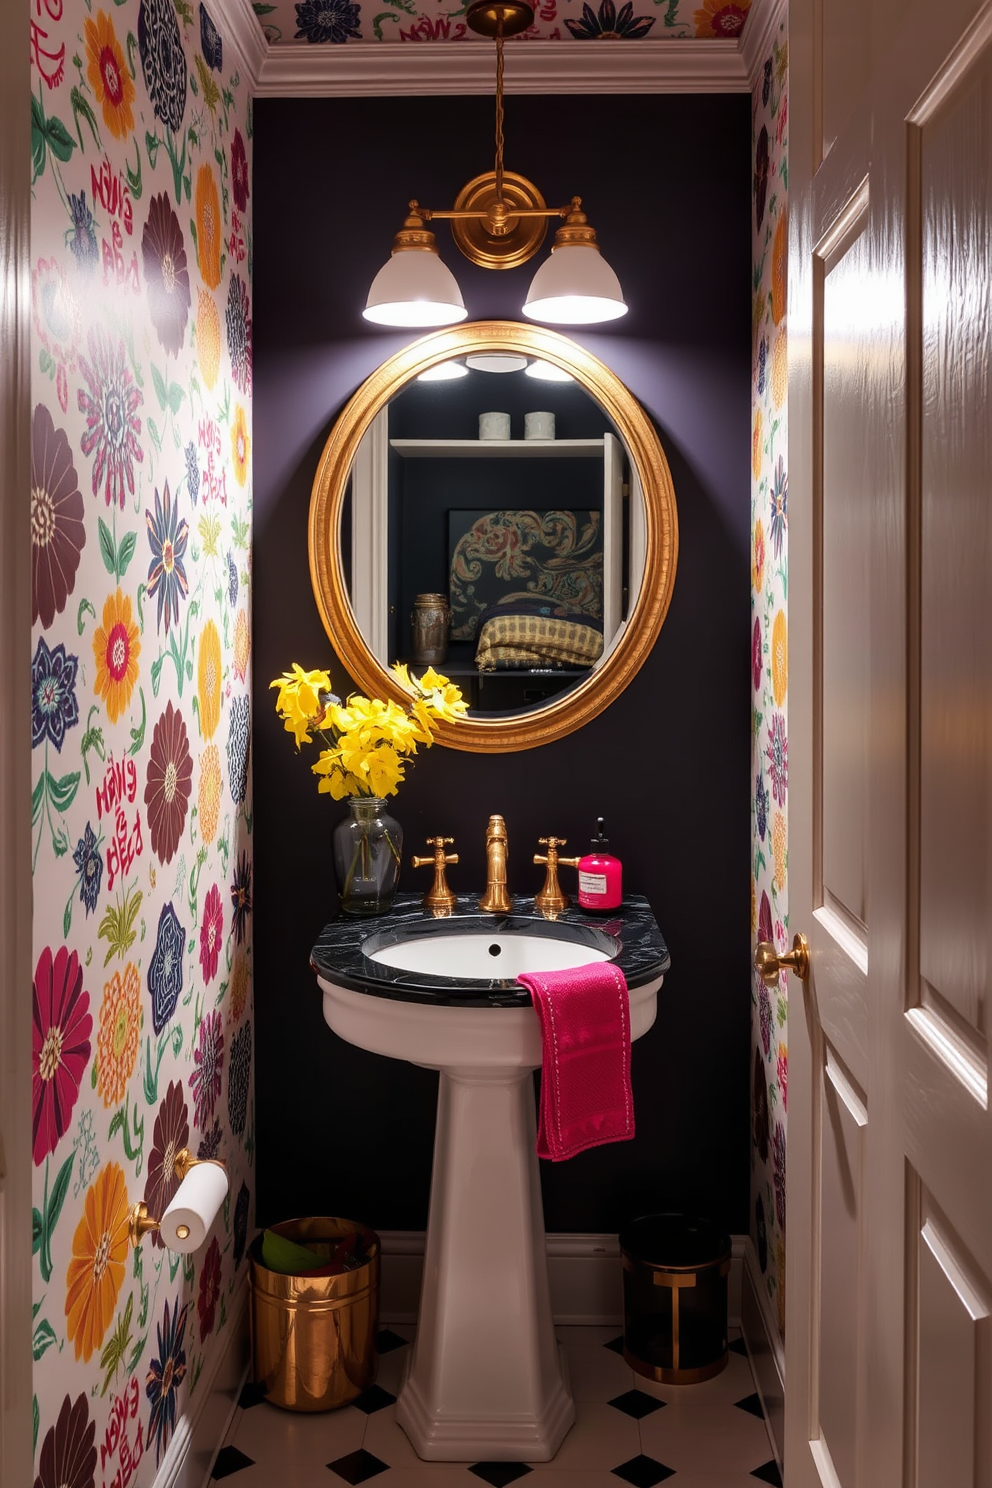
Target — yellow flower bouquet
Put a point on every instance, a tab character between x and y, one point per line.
367	744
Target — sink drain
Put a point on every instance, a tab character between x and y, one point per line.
495	950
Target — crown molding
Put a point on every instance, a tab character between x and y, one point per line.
299	70
242	34
760	29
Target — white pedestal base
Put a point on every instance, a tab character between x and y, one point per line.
485	1381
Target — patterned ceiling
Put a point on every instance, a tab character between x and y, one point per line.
337	21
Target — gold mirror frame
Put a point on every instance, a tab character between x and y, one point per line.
559	716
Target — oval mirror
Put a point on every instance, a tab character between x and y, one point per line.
530	559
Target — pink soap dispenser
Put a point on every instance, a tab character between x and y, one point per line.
600	875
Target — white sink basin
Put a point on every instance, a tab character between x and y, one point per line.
478	957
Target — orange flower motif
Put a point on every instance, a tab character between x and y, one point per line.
208	800
117	1041
780	268
99	1256
242	645
756	446
780	368
780	658
108	75
207	337
758	558
208	679
237	991
779	846
720	19
209	227
240	445
116	649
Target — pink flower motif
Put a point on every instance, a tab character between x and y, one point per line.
777	754
112	425
205	1081
782	1072
211	933
60	1046
756	654
239	171
210	1279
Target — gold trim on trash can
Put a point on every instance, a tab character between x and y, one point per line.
676	1278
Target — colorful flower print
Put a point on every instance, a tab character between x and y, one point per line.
760	177
239	333
117	1040
241	897
53	694
780	268
780	506
762	359
782	1075
163	61
112	424
170	1136
68	1455
239	1079
207	337
777	754
208	1060
210	1142
99	1260
116	649
242	645
609	25
89	866
779	850
240	1225
766	82
192	471
167	538
780	658
206	1301
721	20
81	237
238	748
168	784
165	1375
758	559
328	20
208	798
209	672
759	1106
239	172
58	533
237	991
756	445
240	445
57	320
756	661
764	1017
165	970
765	918
210	42
209	227
780	368
778	1157
109	76
760	805
232	580
60	1046
163	254
211	935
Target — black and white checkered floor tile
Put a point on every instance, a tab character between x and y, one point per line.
627	1430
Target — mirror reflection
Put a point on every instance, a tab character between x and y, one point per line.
494	527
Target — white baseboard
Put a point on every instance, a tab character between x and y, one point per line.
201	1429
765	1348
584	1274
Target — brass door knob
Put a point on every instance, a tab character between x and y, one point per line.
769	964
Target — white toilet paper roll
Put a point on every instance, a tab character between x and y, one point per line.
539	425
198	1198
494	426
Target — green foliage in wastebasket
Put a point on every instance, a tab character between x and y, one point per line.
318	1258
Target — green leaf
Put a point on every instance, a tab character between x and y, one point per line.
157	674
63	791
84	608
138	734
37	1231
107	552
152	143
153	431
44	1337
39	150
35	1423
260	9
81	108
45	363
37	797
136	1353
160	390
60	141
125	552
59	1190
176	395
95	1072
67	918
134	178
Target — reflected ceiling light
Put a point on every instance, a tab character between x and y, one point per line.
495	361
548	372
443	372
499	220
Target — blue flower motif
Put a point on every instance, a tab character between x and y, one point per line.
53	694
608	25
89	865
232	580
761	805
241	897
165	970
210	43
163	61
167	537
238	744
81	237
780	506
328	20
192	471
762	358
165	1375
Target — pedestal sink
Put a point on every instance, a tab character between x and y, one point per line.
485	1380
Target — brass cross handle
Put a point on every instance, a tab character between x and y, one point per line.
769	964
552	899
439	899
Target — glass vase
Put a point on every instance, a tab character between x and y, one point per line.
368	848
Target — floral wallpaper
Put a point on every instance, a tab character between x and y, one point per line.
339	21
770	660
141	801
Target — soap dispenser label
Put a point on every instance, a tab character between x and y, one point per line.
592	883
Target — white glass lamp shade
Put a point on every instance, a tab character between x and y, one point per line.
413	288
575	286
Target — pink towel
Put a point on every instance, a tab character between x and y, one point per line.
586	1098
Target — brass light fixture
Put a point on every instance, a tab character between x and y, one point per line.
499	220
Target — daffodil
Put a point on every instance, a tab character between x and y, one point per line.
298	703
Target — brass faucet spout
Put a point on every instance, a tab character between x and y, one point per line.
496	899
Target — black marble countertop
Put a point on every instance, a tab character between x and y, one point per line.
340	953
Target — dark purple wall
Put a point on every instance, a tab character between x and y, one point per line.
666	183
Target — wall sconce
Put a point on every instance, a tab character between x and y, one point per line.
499	220
203	1186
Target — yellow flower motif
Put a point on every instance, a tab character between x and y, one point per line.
758	557
723	19
240	445
756	446
779	849
207	337
208	679
780	368
116	649
99	1261
780	658
109	76
208	797
242	645
117	1041
209	227
298	703
780	268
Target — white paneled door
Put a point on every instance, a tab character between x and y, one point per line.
889	1271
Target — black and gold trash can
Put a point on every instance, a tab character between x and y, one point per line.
675	1271
313	1337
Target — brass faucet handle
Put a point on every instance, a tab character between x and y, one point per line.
552	899
439	899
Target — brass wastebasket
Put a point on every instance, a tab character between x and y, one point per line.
313	1337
